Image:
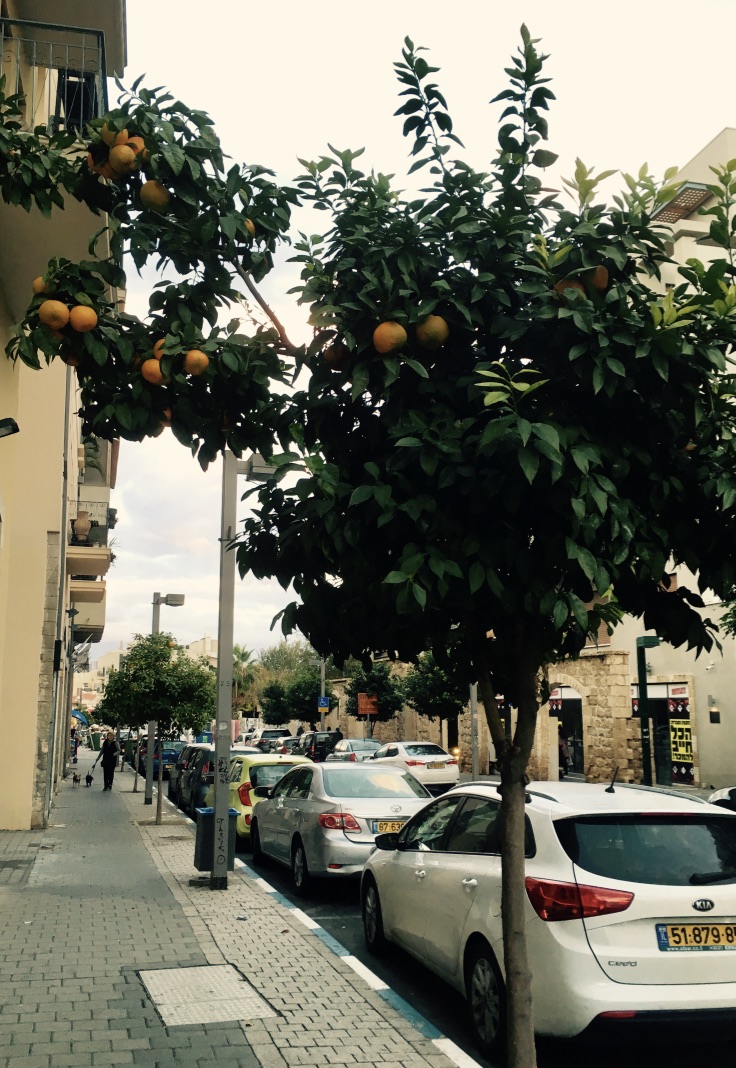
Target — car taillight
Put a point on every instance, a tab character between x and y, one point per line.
205	767
336	821
352	757
414	763
570	901
244	793
453	761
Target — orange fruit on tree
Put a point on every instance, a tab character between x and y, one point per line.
82	318
54	314
432	332
139	146
71	360
196	362
568	284
154	195
151	371
39	286
110	137
336	355
166	421
250	227
123	160
158	349
598	277
389	337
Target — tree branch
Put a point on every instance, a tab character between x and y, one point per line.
246	276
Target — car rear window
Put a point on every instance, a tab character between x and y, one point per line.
673	850
268	774
364	743
425	749
361	781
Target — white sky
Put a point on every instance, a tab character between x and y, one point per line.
635	82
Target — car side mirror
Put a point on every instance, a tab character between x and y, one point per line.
263	791
388	841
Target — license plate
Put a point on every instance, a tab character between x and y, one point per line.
168	766
435	767
387	826
689	937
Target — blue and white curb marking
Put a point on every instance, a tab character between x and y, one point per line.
419	1022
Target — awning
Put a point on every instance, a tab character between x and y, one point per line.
80	716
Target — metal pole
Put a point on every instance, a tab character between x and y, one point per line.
474	729
646	751
152	724
226	612
321	694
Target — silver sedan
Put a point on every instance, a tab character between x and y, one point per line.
321	820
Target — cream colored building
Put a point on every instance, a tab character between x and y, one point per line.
54	488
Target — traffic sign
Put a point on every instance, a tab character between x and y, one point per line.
323	702
367	704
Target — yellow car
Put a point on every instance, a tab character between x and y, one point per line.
248	770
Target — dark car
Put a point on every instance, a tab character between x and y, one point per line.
194	779
171	752
182	764
317	745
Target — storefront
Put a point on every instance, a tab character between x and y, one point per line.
671	731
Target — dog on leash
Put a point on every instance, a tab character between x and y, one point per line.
88	780
76	779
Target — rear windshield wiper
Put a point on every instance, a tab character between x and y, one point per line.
702	878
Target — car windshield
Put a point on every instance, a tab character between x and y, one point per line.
268	774
425	749
361	781
674	850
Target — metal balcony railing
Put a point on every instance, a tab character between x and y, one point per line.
59	70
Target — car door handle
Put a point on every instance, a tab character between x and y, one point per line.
421	874
470	884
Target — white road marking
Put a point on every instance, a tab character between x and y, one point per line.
365	973
454	1053
306	920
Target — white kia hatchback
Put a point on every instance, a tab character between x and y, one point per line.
630	907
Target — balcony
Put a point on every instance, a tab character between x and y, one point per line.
87	556
87	591
59	70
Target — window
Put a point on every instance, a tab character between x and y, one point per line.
425	749
369	781
301	782
267	774
392	751
427	830
235	769
476	828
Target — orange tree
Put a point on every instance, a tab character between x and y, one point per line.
503	434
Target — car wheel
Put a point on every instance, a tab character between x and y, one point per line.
256	853
485	997
179	800
193	803
300	869
375	939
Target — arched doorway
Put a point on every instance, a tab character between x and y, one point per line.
567	705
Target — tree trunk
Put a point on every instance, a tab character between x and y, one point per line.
136	758
160	798
512	757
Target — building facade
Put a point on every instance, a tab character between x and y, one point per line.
54	487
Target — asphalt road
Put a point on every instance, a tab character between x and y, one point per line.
336	907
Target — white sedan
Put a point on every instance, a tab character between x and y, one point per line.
630	908
435	768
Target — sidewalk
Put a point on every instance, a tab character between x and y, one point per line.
94	908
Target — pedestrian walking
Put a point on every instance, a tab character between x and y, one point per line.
564	752
109	758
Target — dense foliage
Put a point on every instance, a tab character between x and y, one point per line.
434	691
378	681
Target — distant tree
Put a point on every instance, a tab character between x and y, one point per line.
283	662
274	705
379	680
244	675
433	691
302	694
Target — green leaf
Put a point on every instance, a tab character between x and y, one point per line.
477	576
362	493
543	158
529	461
395	577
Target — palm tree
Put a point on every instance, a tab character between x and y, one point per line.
243	675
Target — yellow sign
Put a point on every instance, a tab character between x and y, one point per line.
681	741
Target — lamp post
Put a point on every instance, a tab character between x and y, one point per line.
255	469
648	641
174	600
322	705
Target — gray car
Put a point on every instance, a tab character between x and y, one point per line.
354	749
321	820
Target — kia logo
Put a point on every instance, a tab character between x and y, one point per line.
703	904
397	808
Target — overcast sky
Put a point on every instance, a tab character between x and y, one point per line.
635	82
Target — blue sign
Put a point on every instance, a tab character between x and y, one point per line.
323	702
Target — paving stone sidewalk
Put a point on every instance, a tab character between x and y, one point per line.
103	895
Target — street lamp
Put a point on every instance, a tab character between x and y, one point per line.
648	641
255	468
174	600
322	704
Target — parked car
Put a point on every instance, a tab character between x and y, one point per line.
263	737
354	749
430	763
194	780
322	820
248	771
724	798
629	894
286	746
182	763
317	745
171	752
